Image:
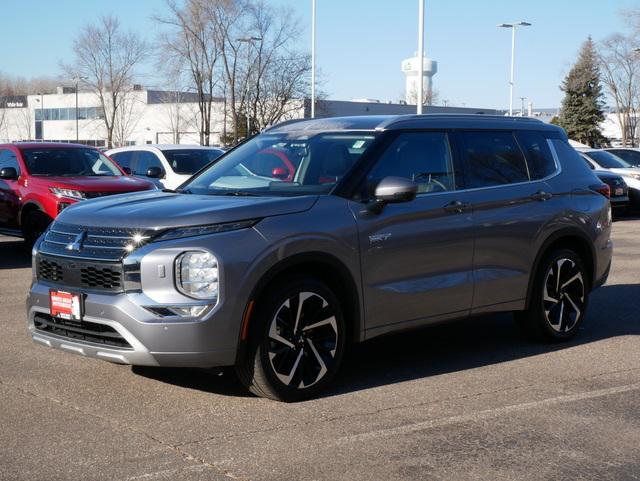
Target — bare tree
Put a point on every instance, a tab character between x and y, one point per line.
108	57
192	46
620	68
127	117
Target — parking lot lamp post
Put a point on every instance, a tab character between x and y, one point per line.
313	59
420	99
513	27
249	41
77	81
41	114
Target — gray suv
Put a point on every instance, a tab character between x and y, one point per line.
365	226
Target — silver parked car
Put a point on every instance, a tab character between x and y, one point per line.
368	225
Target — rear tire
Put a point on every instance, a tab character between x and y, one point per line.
560	298
296	342
33	225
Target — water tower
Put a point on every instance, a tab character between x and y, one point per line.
410	68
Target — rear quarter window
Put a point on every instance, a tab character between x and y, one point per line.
539	157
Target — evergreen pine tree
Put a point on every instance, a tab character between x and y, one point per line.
581	112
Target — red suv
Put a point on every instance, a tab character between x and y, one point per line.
39	180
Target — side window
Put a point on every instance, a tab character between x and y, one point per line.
424	157
144	160
539	157
567	154
123	158
8	159
493	158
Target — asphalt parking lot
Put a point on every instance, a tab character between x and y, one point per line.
465	401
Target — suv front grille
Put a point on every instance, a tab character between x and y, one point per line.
50	270
72	273
85	331
100	243
103	277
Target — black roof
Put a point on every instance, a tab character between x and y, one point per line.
393	122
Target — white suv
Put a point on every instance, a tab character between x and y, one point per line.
166	165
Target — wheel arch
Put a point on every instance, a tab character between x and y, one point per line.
28	207
571	238
328	269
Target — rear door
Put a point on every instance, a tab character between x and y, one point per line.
416	256
512	203
9	192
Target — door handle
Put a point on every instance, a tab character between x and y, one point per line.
541	196
457	207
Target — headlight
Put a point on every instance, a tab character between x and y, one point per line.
205	229
68	193
197	274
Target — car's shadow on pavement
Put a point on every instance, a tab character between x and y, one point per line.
14	254
441	349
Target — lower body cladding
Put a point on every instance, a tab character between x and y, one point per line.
115	328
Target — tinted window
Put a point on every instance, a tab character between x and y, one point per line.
68	162
567	154
8	159
493	158
630	156
607	159
539	157
189	161
144	160
123	159
424	157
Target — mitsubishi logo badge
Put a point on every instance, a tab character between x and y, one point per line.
76	245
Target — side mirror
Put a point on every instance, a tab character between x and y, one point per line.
155	173
8	173
279	173
393	190
126	170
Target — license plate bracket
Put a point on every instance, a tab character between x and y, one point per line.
66	305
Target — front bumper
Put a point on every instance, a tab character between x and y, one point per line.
210	342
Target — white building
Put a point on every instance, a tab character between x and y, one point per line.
146	116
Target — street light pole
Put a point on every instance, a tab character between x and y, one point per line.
77	80
513	26
420	56
313	59
249	41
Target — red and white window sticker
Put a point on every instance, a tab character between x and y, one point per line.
65	305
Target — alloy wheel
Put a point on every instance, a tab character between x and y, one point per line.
564	295
302	340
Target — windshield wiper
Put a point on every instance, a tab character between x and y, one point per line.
177	191
239	193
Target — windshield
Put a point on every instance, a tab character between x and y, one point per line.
607	160
189	161
630	156
292	163
68	162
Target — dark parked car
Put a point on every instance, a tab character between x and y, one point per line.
386	224
39	180
618	189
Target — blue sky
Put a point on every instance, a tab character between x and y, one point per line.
362	42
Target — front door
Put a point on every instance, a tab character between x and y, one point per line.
417	256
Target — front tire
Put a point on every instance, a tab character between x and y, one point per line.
33	225
560	298
296	343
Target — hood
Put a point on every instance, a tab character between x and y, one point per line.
157	210
116	183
